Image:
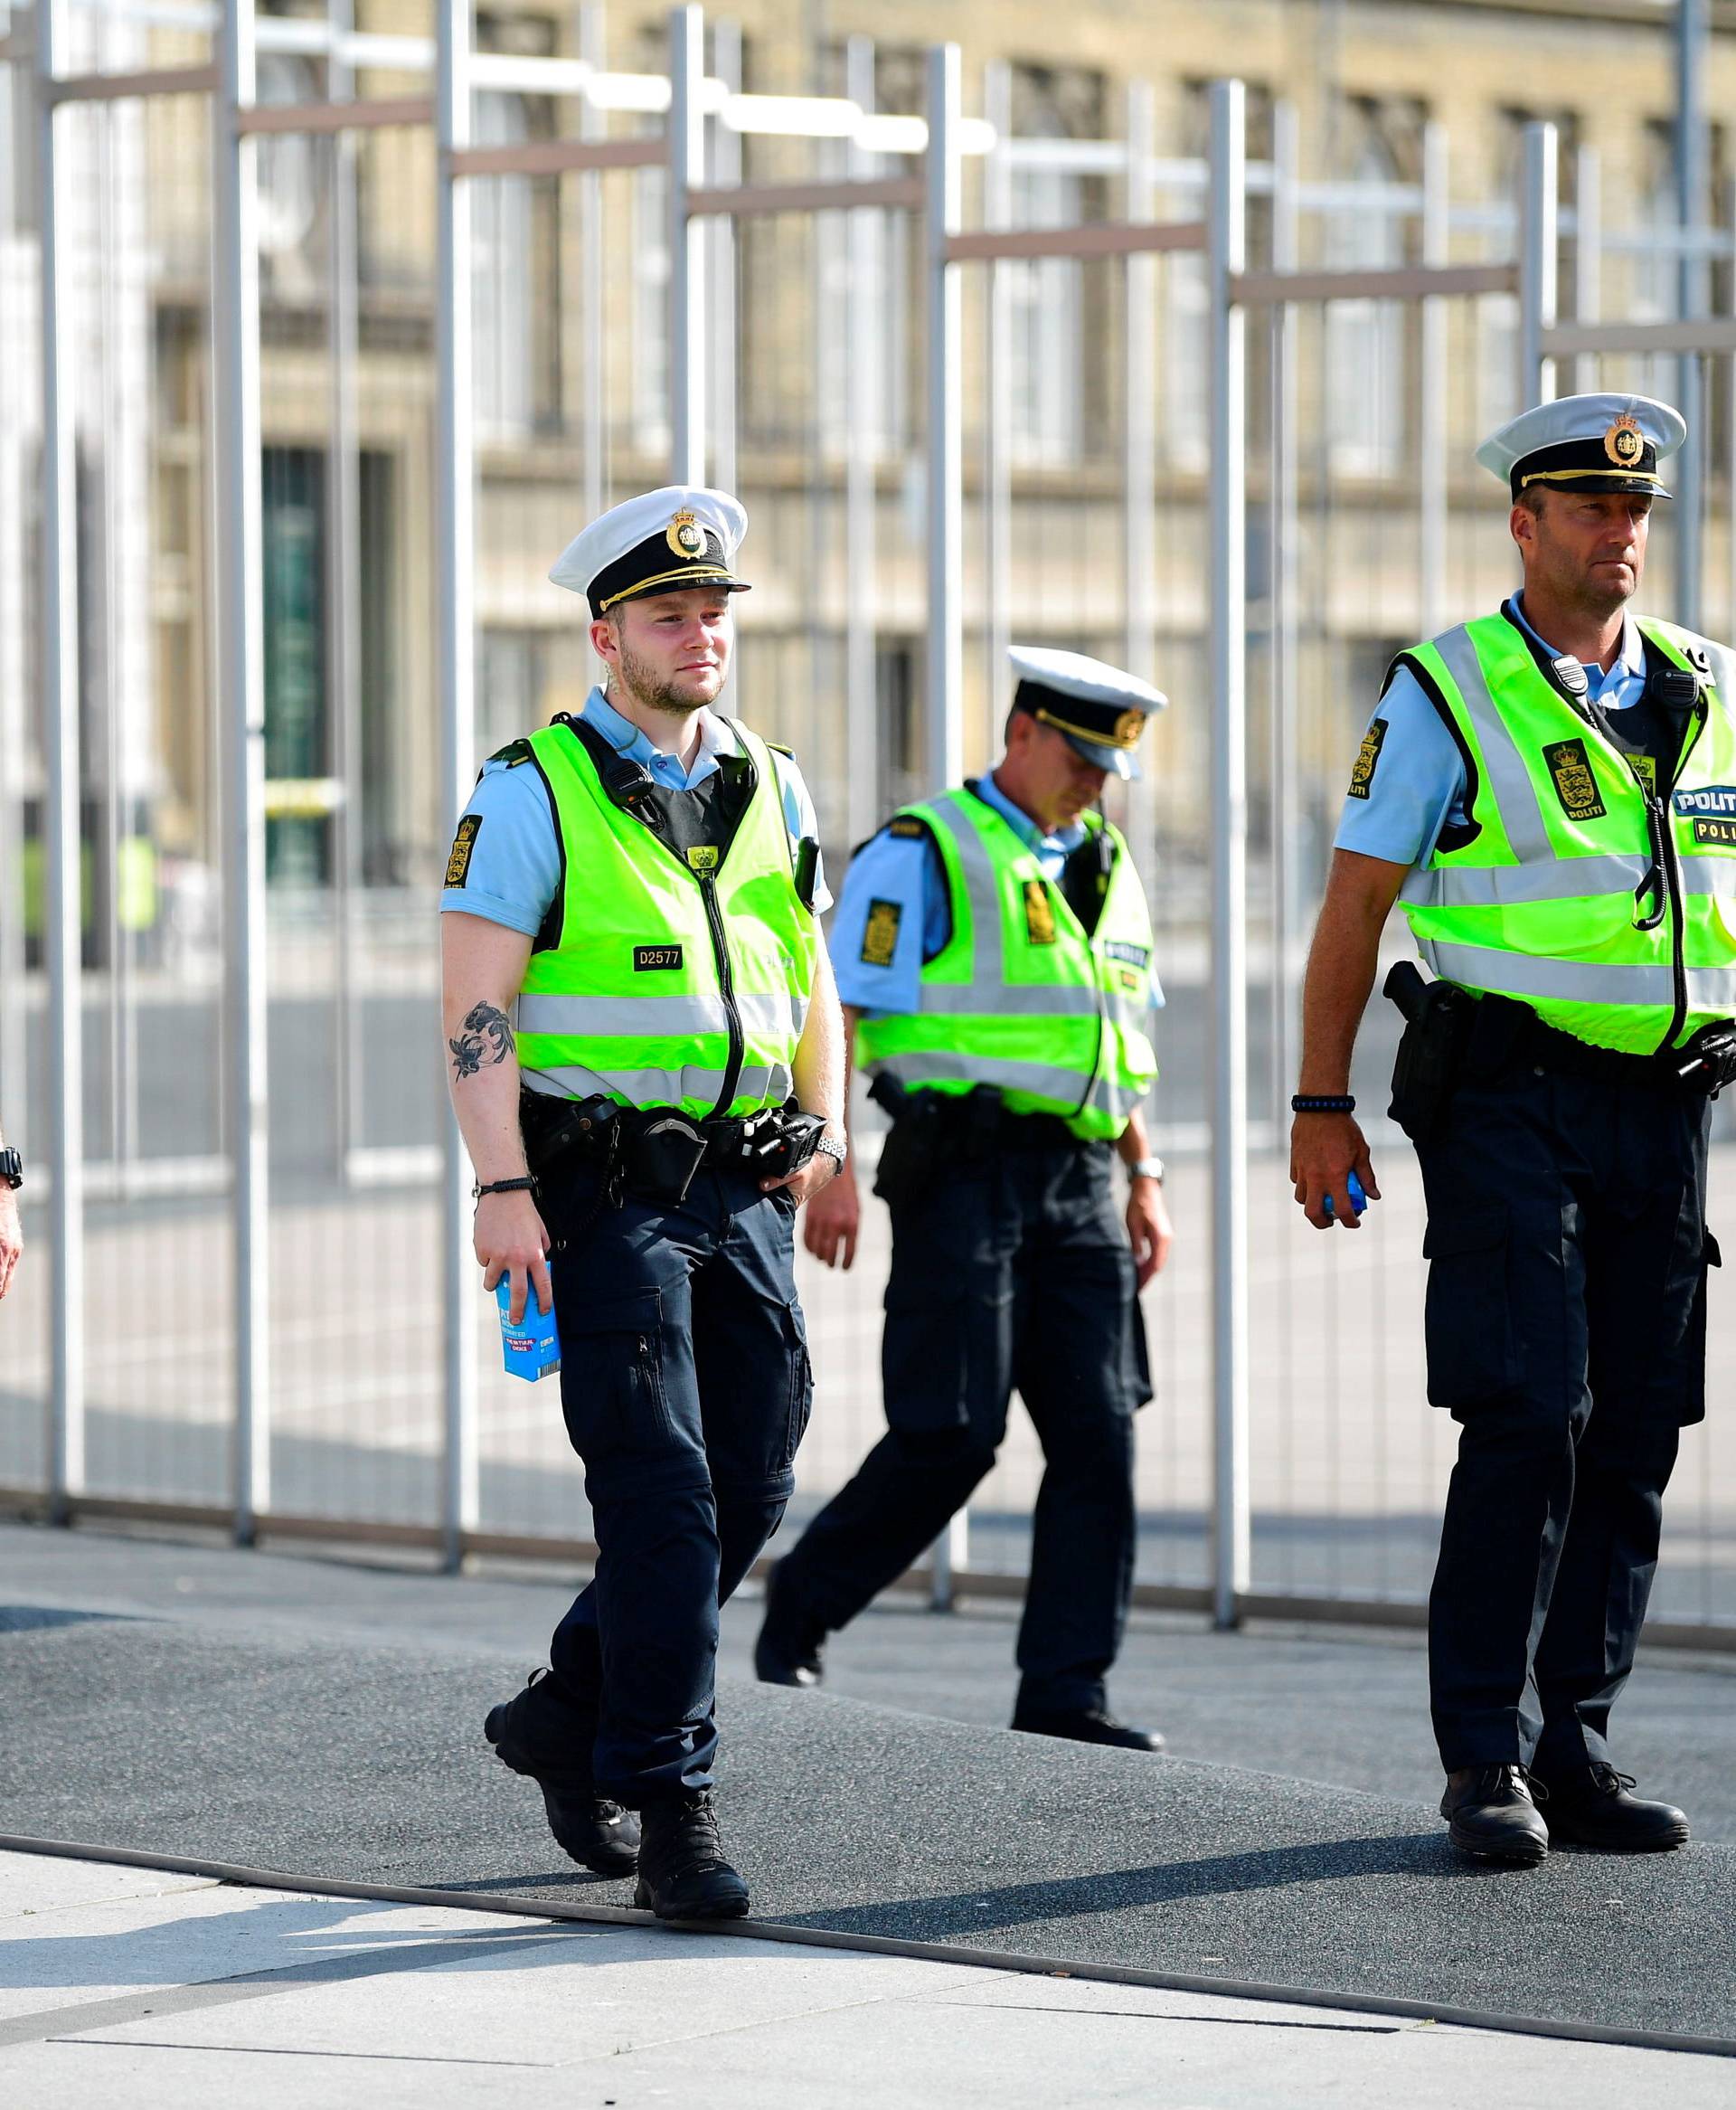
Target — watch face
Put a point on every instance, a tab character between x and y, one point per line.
11	1168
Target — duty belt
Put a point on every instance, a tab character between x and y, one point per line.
656	1151
1707	1063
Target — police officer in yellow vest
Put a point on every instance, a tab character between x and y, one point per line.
1551	794
643	880
993	950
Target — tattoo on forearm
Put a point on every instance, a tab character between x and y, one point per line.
486	1038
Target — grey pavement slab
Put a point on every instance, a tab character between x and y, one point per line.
345	1759
120	1985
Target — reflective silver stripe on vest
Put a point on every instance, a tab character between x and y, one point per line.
972	1000
1713	877
1515	796
768	1087
916	1067
1501	886
1572	981
1712	988
766	1017
986	991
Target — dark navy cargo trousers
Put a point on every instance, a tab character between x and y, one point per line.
685	1385
1566	1331
1012	1273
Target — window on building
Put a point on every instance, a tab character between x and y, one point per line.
1365	345
1499	315
1047	297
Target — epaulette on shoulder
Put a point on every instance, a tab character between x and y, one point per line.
907	828
778	747
513	754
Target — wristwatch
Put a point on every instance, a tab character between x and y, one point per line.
1146	1168
834	1149
11	1169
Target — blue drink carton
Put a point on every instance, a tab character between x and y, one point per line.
533	1346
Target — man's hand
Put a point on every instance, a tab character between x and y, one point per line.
814	1178
1148	1227
833	1220
1326	1149
510	1239
12	1237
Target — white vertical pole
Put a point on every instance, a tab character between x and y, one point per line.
863	325
686	249
1283	541
719	352
343	589
60	757
455	531
593	124
1537	265
1688	476
946	747
1730	372
1588	259
235	328
997	352
1432	389
1226	221
1139	389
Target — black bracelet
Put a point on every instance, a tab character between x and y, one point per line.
1322	1102
526	1185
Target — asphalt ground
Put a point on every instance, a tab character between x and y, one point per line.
325	1754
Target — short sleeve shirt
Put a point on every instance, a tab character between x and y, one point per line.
896	889
1417	785
512	868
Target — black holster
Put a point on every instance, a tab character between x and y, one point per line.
910	1156
1438	1016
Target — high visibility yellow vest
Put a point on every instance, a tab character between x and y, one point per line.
674	982
1021	996
1577	890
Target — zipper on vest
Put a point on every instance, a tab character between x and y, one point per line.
1673	878
726	982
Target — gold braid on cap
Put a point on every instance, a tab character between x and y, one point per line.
1121	734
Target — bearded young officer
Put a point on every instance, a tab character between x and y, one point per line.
993	950
643	882
1550	793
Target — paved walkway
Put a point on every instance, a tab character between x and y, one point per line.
125	1986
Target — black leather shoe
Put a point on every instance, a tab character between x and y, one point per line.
1589	1805
788	1650
1087	1725
598	1834
683	1874
1491	1816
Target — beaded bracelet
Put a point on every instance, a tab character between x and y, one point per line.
1322	1102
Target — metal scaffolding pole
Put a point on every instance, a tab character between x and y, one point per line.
1538	234
342	591
235	329
1688	469
1588	258
718	246
1226	217
1432	388
997	387
61	758
593	125
863	327
1283	543
945	757
455	502
686	248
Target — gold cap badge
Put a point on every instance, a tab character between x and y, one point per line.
684	536
1624	442
1128	726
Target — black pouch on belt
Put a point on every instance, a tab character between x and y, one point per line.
1438	1020
913	1156
661	1158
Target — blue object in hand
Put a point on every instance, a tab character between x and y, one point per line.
1358	1198
533	1346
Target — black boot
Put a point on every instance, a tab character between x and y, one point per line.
789	1651
1491	1816
1589	1805
547	1736
1086	1725
683	1874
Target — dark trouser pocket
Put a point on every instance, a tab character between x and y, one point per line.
612	1378
1693	1345
1468	1321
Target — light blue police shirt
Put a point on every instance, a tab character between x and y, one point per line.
907	872
514	864
1418	784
